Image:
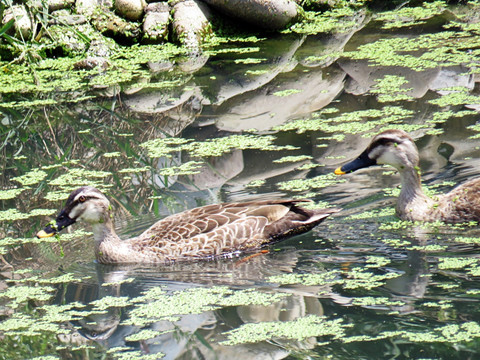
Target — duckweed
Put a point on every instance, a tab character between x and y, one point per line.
299	329
31	178
156	304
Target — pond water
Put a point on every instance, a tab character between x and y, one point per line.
253	119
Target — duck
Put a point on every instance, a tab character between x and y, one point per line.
396	148
205	232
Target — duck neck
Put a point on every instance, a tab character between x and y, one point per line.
106	239
412	203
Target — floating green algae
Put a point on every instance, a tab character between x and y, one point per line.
455	263
317	182
14	214
354	122
297	158
156	304
287	92
337	20
325	278
374	214
145	334
299	329
376	301
10	193
390	88
20	294
408	16
213	147
187	168
110	301
31	178
360	278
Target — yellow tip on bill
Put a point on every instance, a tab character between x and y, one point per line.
338	171
42	234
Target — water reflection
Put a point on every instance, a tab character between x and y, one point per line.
191	333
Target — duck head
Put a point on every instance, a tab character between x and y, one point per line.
391	147
86	203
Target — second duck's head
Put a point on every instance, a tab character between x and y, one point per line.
87	204
390	147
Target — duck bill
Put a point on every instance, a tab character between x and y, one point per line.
61	222
361	162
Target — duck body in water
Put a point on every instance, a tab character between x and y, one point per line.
396	148
205	232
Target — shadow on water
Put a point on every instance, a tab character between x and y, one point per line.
251	120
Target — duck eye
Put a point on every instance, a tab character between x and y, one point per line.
82	198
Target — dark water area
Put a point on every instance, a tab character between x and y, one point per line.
253	120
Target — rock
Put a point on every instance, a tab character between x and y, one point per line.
86	7
92	62
191	22
107	22
155	23
66	38
65	17
23	23
130	9
59	4
102	47
268	14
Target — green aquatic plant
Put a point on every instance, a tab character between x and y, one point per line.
10	193
324	278
315	183
409	16
390	88
455	263
354	122
14	214
156	304
20	294
299	329
145	334
338	20
31	178
287	92
291	158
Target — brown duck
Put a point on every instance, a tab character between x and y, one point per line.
396	148
203	232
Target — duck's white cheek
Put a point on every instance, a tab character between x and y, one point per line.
388	158
90	214
75	212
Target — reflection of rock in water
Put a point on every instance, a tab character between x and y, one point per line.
325	48
362	77
215	172
287	96
237	75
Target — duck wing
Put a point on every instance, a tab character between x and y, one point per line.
462	204
223	228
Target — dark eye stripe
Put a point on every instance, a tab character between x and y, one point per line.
384	142
70	206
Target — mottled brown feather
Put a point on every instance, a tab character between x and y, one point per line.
203	232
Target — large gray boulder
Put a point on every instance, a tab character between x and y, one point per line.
155	23
23	24
130	9
268	14
191	22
